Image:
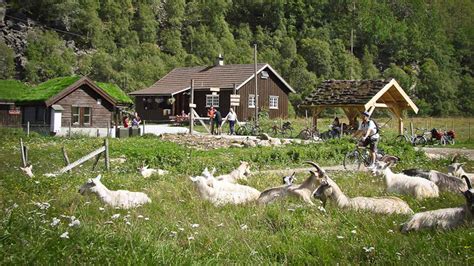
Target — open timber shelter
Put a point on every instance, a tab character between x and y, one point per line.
355	96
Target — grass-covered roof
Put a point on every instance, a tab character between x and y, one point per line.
16	91
12	90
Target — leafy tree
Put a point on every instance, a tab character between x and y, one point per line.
318	55
369	71
7	62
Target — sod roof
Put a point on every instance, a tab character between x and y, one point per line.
14	91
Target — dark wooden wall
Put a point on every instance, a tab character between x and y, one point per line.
150	110
84	96
7	119
266	87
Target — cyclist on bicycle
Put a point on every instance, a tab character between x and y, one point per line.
370	136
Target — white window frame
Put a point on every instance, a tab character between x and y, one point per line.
251	101
273	102
212	100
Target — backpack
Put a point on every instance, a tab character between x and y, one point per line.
377	128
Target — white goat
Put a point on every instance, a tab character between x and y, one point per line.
272	194
28	170
119	198
147	172
400	183
456	169
242	172
302	191
220	193
444	218
329	189
443	181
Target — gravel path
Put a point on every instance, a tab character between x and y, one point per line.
436	153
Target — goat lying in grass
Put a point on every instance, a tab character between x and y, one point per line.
302	191
242	172
116	198
221	192
443	181
147	172
456	169
28	170
444	218
400	183
329	189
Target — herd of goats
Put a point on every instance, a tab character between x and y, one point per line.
224	189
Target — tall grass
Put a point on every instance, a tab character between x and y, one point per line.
179	228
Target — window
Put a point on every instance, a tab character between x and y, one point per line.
273	102
251	100
81	116
212	100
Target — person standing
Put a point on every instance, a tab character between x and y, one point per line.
231	117
210	114
218	121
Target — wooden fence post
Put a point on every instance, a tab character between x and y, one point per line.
106	152
143	125
96	161
28	128
66	158
98	134
108	129
22	151
69	132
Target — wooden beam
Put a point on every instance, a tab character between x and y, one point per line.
82	160
106	153
22	152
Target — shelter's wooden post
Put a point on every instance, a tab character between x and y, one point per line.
315	117
400	125
191	109
66	158
106	152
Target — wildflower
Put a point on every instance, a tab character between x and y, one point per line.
128	223
291	209
140	216
74	222
220	225
191	238
244	227
173	233
321	208
55	222
115	216
64	235
180	228
368	249
42	205
390	231
354	231
87	202
101	209
146	218
108	222
194	225
339	237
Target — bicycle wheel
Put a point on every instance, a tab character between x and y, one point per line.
287	132
443	141
304	134
451	141
420	140
274	131
401	139
242	131
352	161
255	130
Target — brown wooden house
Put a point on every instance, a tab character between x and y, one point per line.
75	102
170	95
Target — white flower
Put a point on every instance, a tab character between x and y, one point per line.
101	209
140	216
194	225
390	231
43	205
321	208
244	227
339	237
55	222
368	249
180	228
354	231
291	209
146	218
74	223
173	233
115	216
64	235
87	202
191	238
128	223
220	225
37	182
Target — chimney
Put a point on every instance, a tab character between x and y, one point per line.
220	60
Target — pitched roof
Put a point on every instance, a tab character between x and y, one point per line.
179	79
344	92
366	93
16	91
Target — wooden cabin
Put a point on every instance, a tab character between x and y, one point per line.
75	102
214	85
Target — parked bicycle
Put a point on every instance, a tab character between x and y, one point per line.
419	138
246	129
309	133
286	130
443	138
353	160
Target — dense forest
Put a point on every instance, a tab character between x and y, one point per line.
427	45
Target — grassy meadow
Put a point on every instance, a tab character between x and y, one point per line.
179	228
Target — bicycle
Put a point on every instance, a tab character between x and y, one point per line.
309	133
286	130
354	159
414	139
248	129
